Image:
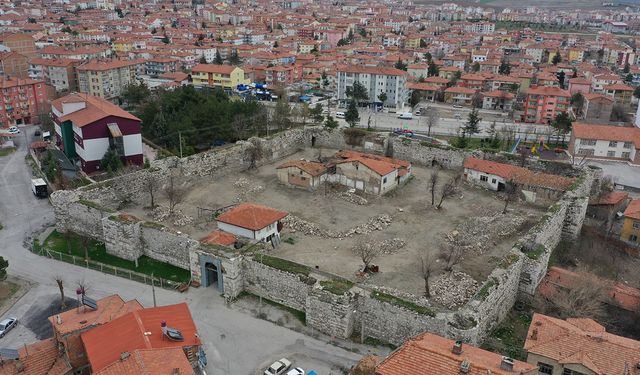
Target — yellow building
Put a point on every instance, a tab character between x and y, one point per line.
576	54
631	225
122	46
552	55
412	42
223	76
306	47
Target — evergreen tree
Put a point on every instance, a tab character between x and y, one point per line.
317	113
627	68
432	69
330	123
234	59
473	121
476	67
165	39
4	264
218	59
203	60
556	58
505	67
275	44
352	117
428	56
400	65
382	97
111	161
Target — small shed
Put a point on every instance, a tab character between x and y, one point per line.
302	173
252	221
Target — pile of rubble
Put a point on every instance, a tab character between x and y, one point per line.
453	289
390	246
162	214
245	189
352	197
477	234
419	300
296	224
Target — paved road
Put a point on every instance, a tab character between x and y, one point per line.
236	343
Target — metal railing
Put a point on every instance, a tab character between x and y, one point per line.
105	268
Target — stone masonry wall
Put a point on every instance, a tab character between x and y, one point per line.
122	239
167	246
283	287
331	314
426	155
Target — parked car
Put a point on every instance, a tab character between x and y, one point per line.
418	112
37	133
7	325
457	106
296	371
14	130
340	115
278	367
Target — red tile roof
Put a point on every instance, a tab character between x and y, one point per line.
431	354
460	90
379	164
633	210
40	358
150	362
606	133
251	216
313	168
98	65
218	237
96	109
584	342
612	198
213	68
139	329
109	308
549	91
371	70
618	87
519	175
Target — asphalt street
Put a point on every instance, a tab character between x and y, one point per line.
235	343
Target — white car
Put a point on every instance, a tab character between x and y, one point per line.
457	106
278	367
14	130
6	325
296	371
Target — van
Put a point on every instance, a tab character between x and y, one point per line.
340	115
405	115
39	188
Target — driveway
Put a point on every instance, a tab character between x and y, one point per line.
235	343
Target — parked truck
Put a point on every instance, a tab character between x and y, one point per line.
39	188
405	115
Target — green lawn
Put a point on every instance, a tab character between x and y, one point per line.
97	252
6	151
508	338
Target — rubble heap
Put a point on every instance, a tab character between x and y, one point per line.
478	233
453	289
162	214
352	198
245	189
297	224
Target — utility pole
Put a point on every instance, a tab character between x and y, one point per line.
153	290
180	140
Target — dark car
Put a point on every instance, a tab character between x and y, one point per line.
7	325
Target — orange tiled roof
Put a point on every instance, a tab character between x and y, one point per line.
218	237
581	341
213	68
109	308
313	168
106	343
519	175
548	90
381	165
251	216
613	197
606	133
431	354
97	65
96	109
633	210
39	358
371	70
150	362
618	87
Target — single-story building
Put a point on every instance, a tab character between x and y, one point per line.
605	207
631	226
218	237
494	176
252	221
370	173
302	173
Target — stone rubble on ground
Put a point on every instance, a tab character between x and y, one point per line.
453	289
245	189
352	198
297	224
478	234
161	214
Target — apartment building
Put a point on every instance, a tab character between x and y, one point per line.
107	78
14	64
157	66
605	142
543	104
376	80
58	73
23	100
218	76
23	44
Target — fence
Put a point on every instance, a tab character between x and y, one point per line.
105	268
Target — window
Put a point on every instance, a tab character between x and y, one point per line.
588	142
493	180
633	238
544	368
611	154
384	180
636	225
613	144
627	145
566	371
484	178
585	151
626	155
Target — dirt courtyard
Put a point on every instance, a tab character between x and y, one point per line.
403	220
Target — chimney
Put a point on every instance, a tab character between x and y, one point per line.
506	364
457	348
534	334
124	355
58	319
163	327
176	371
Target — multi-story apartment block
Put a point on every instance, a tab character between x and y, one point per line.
85	53
107	79
23	44
59	73
542	104
376	80
159	65
594	141
23	101
221	76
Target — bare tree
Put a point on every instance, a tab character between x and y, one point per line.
509	194
60	283
83	286
523	154
174	193
448	189
254	153
151	186
240	125
367	252
84	242
451	254
433	116
605	187
428	266
433	181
